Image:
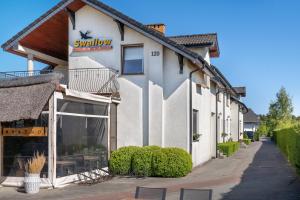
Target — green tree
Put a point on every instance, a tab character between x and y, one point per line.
280	112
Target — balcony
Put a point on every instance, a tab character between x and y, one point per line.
92	80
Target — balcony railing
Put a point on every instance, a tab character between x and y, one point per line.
92	80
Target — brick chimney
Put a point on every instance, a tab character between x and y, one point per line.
158	27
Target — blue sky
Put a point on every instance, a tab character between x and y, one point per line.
259	39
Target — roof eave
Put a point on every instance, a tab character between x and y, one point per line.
32	26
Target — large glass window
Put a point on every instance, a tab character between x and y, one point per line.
68	106
82	143
133	60
21	139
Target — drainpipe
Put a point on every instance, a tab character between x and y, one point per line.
191	106
217	116
238	122
224	104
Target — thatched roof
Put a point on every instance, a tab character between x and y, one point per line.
25	98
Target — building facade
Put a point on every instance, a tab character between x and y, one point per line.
166	91
251	121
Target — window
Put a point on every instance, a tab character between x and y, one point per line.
133	59
195	121
219	97
81	137
198	89
18	149
228	99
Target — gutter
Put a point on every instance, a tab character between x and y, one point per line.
245	108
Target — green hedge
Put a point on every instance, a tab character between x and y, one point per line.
121	160
171	162
229	148
288	140
247	141
150	161
256	136
142	162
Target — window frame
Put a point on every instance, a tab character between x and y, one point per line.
227	99
195	111
141	45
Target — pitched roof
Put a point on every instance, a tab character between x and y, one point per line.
120	17
198	40
21	34
137	26
223	79
251	117
195	40
240	90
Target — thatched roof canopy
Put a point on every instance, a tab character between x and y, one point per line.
25	97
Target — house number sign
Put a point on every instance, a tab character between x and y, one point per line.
155	53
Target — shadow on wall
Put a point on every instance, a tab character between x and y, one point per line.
269	176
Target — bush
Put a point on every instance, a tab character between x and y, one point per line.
171	162
142	161
120	162
256	136
152	148
229	148
150	161
245	136
288	141
247	141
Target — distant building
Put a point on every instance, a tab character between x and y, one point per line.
251	121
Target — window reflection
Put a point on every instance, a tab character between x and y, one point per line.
18	149
81	141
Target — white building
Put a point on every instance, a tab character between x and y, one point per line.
251	121
166	91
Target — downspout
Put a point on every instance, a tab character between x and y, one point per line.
238	122
224	115
191	109
191	106
217	126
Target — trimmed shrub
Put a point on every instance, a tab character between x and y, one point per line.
256	136
150	161
229	148
288	141
152	148
247	141
171	162
142	161
120	162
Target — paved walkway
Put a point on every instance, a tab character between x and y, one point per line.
257	172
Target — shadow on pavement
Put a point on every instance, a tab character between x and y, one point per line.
269	176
